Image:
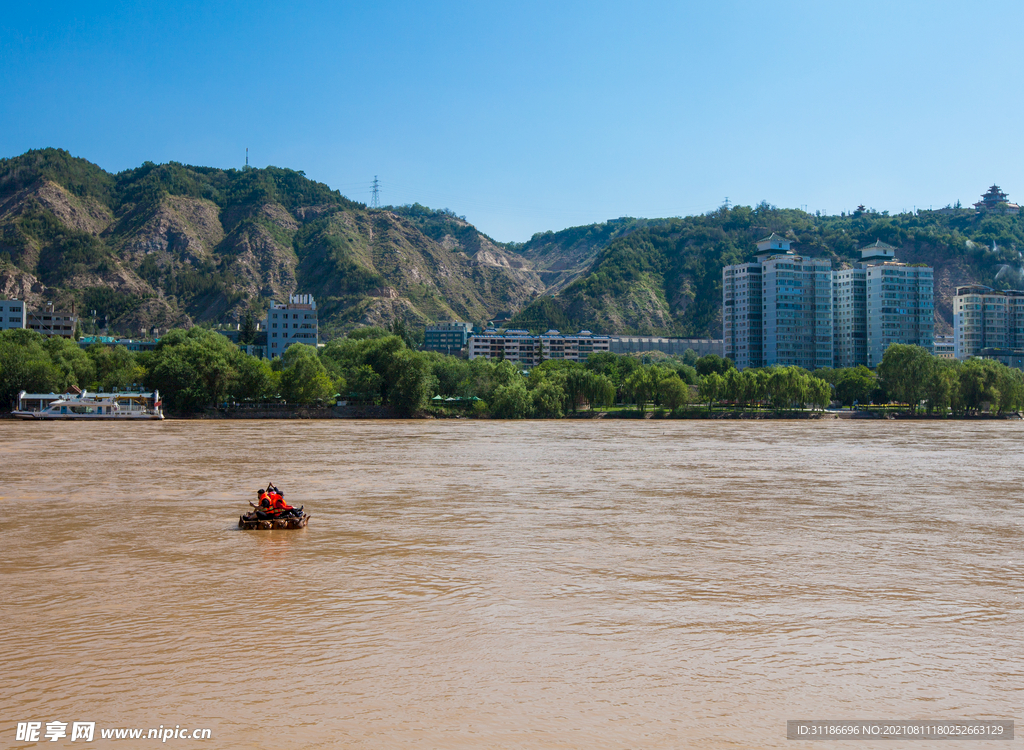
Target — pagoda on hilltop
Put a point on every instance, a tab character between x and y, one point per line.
995	202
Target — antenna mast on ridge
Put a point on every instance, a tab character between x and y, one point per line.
375	196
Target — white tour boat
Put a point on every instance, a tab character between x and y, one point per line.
85	405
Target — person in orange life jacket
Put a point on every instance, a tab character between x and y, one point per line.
277	497
265	511
277	503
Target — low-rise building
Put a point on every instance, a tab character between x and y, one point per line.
945	347
132	345
530	350
450	336
1009	357
50	322
291	323
12	314
668	345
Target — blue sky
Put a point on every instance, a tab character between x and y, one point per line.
532	116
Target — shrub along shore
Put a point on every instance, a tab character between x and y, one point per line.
375	371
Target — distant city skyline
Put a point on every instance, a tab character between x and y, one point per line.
540	116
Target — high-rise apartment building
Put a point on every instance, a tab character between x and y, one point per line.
778	308
742	315
850	306
985	318
797	299
789	309
900	307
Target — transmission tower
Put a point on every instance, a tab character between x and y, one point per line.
375	196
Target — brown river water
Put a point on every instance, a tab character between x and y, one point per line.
556	584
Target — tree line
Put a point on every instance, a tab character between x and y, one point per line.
198	368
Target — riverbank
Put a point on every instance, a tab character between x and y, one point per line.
280	411
369	411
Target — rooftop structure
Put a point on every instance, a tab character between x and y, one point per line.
995	201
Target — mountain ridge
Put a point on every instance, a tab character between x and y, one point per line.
175	245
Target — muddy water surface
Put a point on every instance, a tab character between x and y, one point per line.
600	584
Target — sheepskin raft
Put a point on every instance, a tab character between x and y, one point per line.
250	521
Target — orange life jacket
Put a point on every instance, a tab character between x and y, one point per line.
277	502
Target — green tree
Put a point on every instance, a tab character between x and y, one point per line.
818	392
599	390
115	368
255	381
854	384
710	388
641	386
547	399
943	387
413	382
365	382
511	401
1010	384
304	379
710	363
247	333
904	371
735	386
25	365
787	386
405	332
193	369
452	374
673	392
74	364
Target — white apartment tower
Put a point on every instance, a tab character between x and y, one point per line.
789	309
742	315
796	294
879	302
850	305
984	317
777	310
292	323
900	307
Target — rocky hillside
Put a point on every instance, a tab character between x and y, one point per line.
665	277
169	245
